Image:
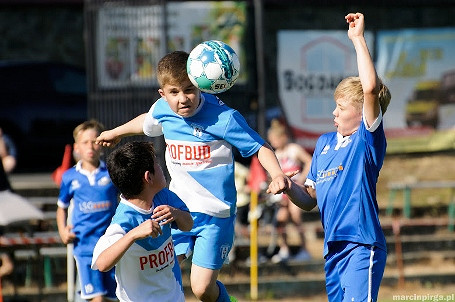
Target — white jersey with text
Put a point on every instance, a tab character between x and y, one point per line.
148	271
199	154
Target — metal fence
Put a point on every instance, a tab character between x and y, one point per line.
125	40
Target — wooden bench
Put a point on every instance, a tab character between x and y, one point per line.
406	188
40	246
49	253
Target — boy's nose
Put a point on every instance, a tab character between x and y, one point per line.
183	98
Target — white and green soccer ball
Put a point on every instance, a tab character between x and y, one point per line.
213	66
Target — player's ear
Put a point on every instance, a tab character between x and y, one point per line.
161	92
75	149
148	177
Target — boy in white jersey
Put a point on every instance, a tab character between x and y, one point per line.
138	241
200	132
342	180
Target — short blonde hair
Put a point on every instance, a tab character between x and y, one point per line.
172	69
351	87
91	124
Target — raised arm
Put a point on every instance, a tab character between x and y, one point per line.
110	138
367	72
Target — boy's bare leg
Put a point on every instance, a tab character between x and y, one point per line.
97	299
203	283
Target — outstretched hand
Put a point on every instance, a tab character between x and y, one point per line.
107	139
279	184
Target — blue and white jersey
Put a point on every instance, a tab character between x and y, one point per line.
95	199
148	271
199	154
344	172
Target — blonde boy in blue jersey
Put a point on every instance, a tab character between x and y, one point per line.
95	199
342	181
200	133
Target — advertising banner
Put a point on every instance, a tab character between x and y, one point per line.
130	38
311	63
418	66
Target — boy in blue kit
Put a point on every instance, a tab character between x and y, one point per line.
95	199
138	241
200	132
342	180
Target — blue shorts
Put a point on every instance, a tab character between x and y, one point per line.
210	240
354	271
93	282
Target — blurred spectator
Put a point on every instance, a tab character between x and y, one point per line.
6	265
243	206
6	268
8	152
243	199
89	188
4	182
292	157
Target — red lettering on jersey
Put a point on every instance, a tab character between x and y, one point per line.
166	255
180	151
206	151
142	261
152	259
161	258
188	152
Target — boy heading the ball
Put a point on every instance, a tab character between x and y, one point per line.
200	132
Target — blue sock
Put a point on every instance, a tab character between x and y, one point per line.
223	296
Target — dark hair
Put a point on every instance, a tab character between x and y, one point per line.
127	165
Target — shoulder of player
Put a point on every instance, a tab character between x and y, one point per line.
326	138
124	216
70	174
166	197
215	101
159	105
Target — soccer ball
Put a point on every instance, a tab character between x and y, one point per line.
213	66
